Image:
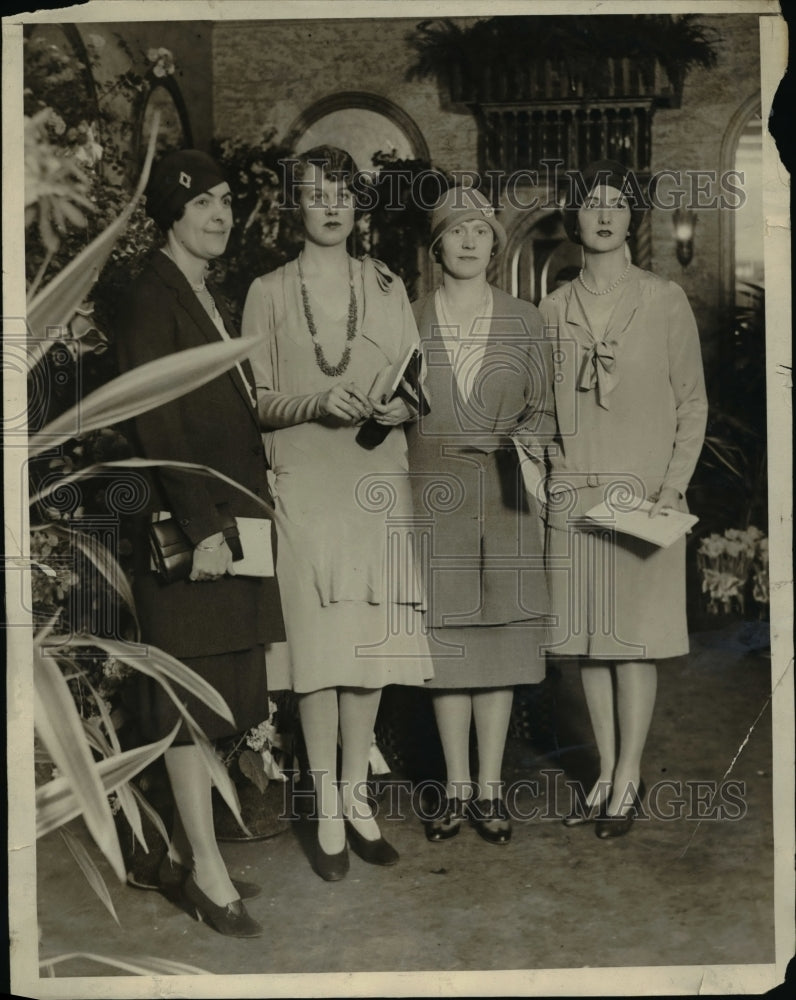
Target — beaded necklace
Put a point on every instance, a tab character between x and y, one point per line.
610	288
333	371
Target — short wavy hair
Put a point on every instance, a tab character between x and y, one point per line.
336	163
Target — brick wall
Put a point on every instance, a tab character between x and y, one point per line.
269	72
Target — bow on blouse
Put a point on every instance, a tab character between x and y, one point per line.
598	371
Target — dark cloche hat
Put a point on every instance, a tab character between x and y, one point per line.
175	180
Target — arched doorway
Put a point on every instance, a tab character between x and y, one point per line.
539	256
741	229
360	122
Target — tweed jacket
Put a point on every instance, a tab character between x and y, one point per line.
486	541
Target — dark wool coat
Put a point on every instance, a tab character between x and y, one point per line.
215	425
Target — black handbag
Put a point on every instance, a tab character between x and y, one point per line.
172	550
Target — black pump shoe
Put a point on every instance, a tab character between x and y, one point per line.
232	920
375	852
331	867
484	811
449	824
583	814
608	826
172	875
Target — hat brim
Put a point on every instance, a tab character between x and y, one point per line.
475	214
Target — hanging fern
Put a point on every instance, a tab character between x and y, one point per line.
454	51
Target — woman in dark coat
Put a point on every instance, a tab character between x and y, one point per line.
487	379
215	622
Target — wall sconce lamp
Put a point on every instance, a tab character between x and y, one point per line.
684	221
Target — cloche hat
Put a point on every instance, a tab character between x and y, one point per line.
175	180
463	204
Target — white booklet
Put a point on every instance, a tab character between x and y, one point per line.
255	541
664	529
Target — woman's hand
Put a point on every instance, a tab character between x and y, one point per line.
212	559
346	403
668	497
393	413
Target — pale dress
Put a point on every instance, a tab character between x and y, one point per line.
631	413
350	590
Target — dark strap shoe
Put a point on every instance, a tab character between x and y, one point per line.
490	819
448	824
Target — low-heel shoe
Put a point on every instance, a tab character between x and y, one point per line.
449	823
331	867
171	875
482	812
233	920
375	852
608	826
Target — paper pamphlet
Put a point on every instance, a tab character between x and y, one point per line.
664	529
258	553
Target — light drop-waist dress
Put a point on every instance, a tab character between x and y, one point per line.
351	592
631	414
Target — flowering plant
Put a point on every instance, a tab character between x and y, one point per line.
260	753
726	564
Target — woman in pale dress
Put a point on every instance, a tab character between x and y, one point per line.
631	412
328	325
488	382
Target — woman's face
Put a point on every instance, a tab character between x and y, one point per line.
206	222
604	219
327	208
465	249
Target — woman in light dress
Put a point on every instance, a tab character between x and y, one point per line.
631	411
328	325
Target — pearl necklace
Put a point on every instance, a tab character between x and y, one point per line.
333	371
610	288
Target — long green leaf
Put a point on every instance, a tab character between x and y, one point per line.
60	728
144	388
56	802
724	461
147	463
90	871
55	304
104	562
160	665
109	746
165	668
146	965
152	813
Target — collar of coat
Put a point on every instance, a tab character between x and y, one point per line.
173	278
